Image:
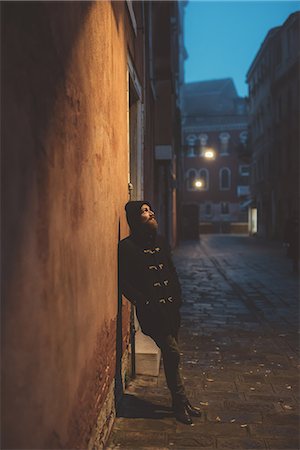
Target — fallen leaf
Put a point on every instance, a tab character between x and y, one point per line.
287	407
209	379
289	387
233	420
204	403
252	389
218	419
244	425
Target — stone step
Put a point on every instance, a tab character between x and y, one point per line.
147	355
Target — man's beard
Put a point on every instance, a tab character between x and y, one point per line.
150	226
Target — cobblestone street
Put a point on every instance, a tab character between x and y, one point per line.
240	362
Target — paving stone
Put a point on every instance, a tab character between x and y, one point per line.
282	419
288	444
233	443
271	430
122	447
233	416
219	386
285	397
194	440
214	429
133	439
190	448
143	424
255	387
253	378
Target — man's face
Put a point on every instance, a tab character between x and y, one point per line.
148	217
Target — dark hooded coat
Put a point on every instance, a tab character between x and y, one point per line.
148	277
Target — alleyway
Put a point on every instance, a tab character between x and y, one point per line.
239	339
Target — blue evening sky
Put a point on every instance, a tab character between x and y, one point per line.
223	37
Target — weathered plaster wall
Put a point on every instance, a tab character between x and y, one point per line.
64	187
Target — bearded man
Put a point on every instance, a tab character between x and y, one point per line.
149	280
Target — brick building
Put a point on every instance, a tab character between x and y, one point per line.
214	136
89	93
273	80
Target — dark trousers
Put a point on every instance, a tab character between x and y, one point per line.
171	358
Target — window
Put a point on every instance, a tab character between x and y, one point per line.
208	209
203	138
224	208
244	170
191	140
224	141
225	178
243	137
204	177
191	151
190	179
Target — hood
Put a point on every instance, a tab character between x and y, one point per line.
133	212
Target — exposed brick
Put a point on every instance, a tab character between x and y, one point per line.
94	388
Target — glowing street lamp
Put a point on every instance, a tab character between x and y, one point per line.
198	184
209	154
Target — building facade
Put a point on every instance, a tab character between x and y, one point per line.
83	85
273	80
215	164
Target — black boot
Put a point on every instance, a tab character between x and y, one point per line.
192	410
182	414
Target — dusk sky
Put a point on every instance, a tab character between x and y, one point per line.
223	37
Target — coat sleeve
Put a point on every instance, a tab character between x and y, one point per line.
126	279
